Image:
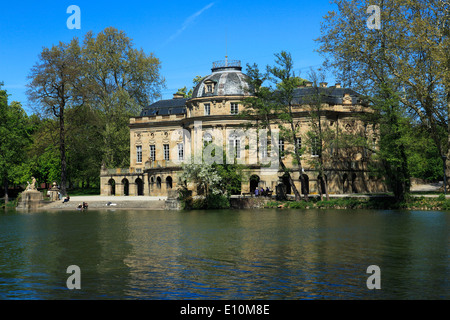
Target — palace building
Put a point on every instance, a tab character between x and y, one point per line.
170	132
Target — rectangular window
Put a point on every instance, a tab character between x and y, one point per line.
139	154
207	109
315	147
166	152
234	108
235	146
209	86
281	146
298	145
180	151
152	153
238	148
263	148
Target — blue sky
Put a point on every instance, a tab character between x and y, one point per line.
187	36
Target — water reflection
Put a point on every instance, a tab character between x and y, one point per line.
228	254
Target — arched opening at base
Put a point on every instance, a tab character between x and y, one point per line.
126	187
254	182
139	187
112	187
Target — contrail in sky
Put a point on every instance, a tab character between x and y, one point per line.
188	22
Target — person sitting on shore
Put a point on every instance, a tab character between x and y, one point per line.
66	199
256	192
85	205
261	192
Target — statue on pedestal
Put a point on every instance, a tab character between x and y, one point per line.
31	186
31	198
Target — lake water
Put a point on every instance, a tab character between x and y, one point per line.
226	254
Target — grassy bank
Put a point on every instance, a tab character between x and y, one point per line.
385	203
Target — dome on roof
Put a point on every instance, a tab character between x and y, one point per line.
226	79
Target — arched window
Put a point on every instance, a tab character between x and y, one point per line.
169	182
158	182
207	138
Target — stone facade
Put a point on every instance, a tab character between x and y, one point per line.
169	132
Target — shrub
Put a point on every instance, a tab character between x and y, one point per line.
217	201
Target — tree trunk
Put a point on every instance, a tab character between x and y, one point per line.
325	184
62	150
447	160
297	157
5	185
291	181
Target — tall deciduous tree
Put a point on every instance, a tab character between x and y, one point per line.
121	80
14	136
319	137
268	107
286	82
408	54
55	82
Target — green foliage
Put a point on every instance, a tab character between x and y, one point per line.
406	60
380	203
210	201
231	177
204	176
86	93
14	137
391	151
214	182
217	201
424	160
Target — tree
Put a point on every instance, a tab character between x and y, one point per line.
269	106
203	176
84	145
406	59
184	93
188	94
286	82
319	137
392	150
14	137
120	81
43	160
54	86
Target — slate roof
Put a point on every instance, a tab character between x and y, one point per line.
165	107
330	95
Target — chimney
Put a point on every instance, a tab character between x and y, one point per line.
178	96
323	84
338	84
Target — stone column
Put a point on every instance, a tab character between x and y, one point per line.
119	189
132	189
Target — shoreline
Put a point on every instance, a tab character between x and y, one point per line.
425	202
101	202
